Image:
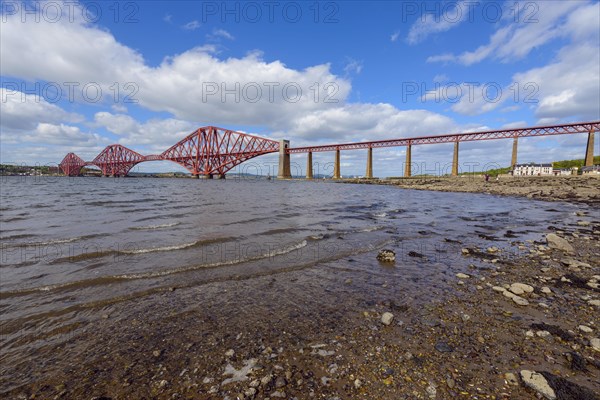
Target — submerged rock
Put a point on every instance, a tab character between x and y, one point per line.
386	255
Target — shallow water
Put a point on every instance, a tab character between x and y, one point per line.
73	246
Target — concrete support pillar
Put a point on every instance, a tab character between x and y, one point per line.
455	160
309	166
513	161
589	151
369	173
284	161
196	176
221	176
336	165
408	163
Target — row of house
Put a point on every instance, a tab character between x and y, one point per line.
532	169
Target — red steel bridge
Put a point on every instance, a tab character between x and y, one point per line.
212	151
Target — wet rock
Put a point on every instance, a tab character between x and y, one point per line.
585	329
386	255
460	275
594	303
537	382
577	362
556	242
546	290
444	347
229	353
595	343
566	390
387	318
279	394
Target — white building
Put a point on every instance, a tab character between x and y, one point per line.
564	171
593	170
532	169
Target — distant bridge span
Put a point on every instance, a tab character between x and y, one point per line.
212	151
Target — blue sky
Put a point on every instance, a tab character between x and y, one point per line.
352	71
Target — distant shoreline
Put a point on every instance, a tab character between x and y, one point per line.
574	189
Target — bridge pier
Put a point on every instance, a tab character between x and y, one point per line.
284	160
309	166
220	176
513	161
336	165
369	173
455	160
589	151
408	164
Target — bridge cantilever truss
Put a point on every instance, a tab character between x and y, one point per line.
212	151
207	151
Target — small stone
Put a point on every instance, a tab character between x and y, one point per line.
546	290
348	281
460	275
251	392
520	301
229	353
431	391
543	333
522	287
157	353
464	250
387	318
278	394
265	380
583	223
465	317
357	383
450	382
511	379
162	384
280	382
386	255
586	329
255	383
594	303
499	289
595	343
529	334
537	382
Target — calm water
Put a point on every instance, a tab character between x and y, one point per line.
72	246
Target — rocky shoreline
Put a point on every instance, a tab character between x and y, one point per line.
560	188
